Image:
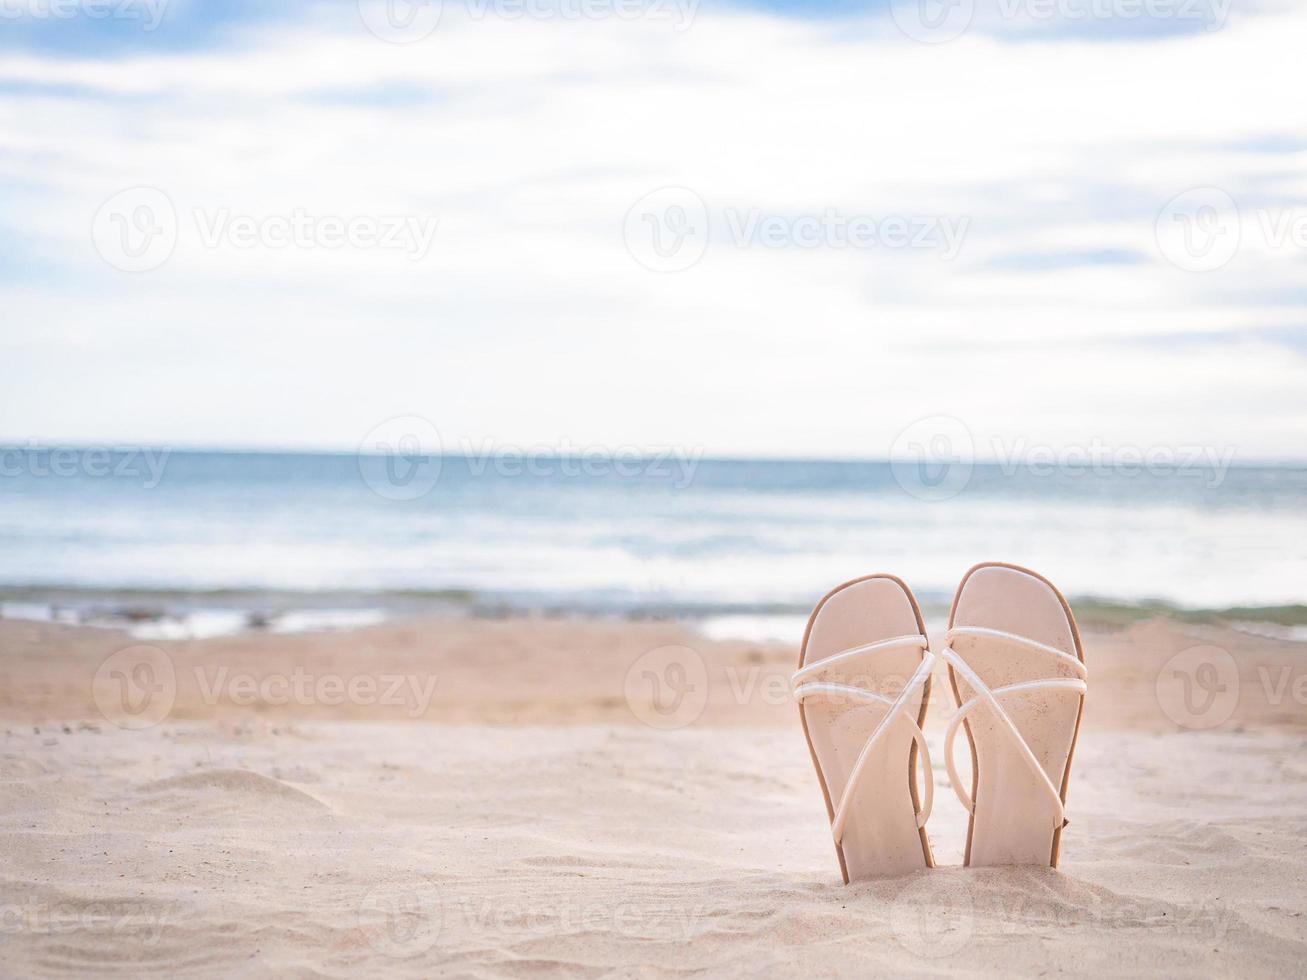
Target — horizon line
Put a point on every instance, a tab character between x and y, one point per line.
641	453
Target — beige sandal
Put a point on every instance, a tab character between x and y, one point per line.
862	686
1018	674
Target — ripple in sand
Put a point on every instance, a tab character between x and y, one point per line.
229	790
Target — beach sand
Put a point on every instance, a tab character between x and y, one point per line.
528	797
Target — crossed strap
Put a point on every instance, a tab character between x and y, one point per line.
991	698
898	712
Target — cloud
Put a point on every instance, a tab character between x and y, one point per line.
529	318
1046	261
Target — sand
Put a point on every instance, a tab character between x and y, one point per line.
519	806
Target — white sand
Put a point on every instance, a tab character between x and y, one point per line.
319	847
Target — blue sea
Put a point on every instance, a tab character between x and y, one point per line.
191	543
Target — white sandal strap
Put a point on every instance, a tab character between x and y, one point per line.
819	688
982	631
897	712
844	656
990	697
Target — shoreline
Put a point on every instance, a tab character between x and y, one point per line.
179	614
571	670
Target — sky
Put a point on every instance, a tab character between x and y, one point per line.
773	229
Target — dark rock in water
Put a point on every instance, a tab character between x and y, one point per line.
257	620
139	614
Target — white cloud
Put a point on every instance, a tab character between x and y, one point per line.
529	321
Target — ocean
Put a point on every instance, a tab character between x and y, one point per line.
194	543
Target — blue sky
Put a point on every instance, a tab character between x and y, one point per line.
771	229
182	25
200	24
